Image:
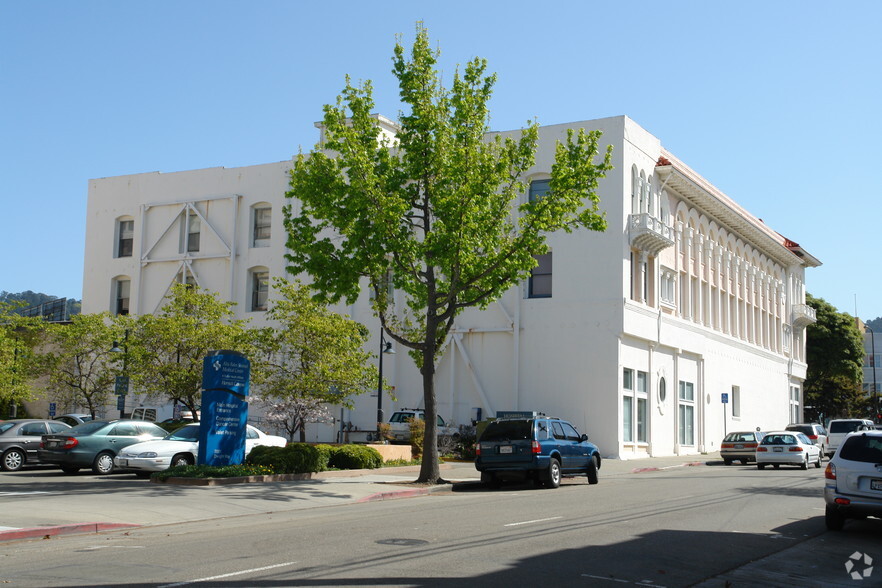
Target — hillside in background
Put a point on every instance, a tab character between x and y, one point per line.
31	299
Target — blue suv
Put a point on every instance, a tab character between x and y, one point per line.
533	446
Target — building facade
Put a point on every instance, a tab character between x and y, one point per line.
685	319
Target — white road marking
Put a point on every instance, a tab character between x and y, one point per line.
641	583
24	493
531	522
231	574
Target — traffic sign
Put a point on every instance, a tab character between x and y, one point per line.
725	398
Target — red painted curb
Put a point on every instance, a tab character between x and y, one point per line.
46	532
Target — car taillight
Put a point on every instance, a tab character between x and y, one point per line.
750	445
797	448
761	449
70	443
812	437
536	448
477	449
727	446
830	472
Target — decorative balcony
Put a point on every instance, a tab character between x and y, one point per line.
649	234
803	316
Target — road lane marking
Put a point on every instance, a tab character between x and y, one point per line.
531	522
231	574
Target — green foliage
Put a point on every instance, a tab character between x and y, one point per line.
19	363
78	363
354	457
434	209
313	357
417	429
294	458
198	471
165	351
835	356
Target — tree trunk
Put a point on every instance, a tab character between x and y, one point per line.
430	469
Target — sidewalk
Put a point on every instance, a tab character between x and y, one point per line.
123	502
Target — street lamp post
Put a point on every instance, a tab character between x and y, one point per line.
385	347
122	381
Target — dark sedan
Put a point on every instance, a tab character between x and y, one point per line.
20	440
94	444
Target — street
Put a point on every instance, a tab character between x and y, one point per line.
675	527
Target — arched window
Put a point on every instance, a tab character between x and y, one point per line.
635	190
538	189
642	193
258	279
121	292
125	236
261	225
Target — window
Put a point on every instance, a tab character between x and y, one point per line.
736	402
635	413
628	405
538	189
668	287
125	237
540	279
794	405
121	296
192	227
261	228
259	289
686	413
642	413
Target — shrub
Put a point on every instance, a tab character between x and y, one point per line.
294	458
197	471
354	457
417	434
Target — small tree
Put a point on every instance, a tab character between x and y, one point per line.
19	337
165	351
314	358
434	210
78	362
291	415
835	354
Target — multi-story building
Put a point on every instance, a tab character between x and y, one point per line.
872	375
683	320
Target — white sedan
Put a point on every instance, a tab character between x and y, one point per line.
180	448
787	448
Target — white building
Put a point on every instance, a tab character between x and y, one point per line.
635	334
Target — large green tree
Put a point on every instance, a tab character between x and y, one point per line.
314	357
835	356
78	361
164	352
19	337
434	209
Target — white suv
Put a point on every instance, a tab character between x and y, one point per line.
839	428
853	485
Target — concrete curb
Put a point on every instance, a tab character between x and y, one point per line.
47	532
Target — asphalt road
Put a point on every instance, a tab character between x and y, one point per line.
671	527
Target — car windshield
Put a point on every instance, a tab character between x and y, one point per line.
779	440
740	437
88	428
188	433
865	448
844	426
802	429
507	430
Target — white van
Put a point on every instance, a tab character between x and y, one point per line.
839	428
157	414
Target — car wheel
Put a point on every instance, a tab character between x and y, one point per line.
727	461
804	464
833	518
182	459
103	463
593	477
552	477
69	469
489	480
744	461
13	460
818	462
760	466
776	466
143	475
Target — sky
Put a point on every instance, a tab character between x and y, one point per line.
775	103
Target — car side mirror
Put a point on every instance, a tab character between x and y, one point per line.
584	437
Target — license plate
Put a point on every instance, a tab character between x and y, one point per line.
505	449
778	449
123	462
875	484
739	446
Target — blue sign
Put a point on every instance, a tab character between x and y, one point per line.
225	383
725	398
52	407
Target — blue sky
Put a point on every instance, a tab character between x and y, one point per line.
776	103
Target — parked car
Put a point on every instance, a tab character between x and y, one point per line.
839	428
536	447
815	432
94	444
853	480
740	446
399	424
787	448
73	419
180	448
20	440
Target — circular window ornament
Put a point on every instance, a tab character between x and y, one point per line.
662	390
